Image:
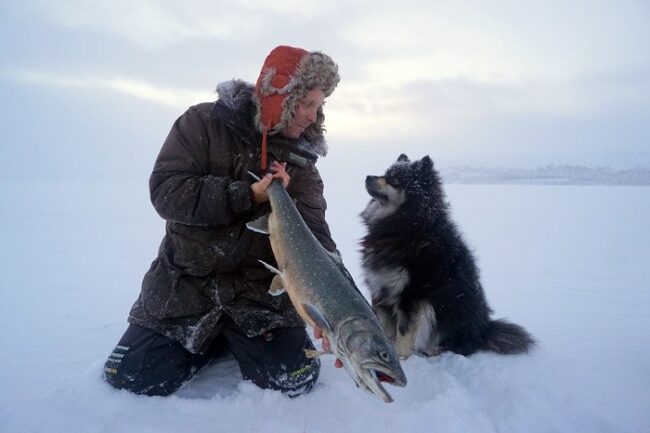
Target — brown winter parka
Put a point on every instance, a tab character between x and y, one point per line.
207	264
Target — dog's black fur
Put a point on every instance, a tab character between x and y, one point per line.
423	278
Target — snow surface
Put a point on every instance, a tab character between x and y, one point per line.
568	263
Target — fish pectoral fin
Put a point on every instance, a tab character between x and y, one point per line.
277	286
270	268
259	225
318	318
311	353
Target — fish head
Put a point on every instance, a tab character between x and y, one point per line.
371	359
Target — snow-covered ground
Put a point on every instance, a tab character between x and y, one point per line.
568	263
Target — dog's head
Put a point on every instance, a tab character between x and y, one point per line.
403	181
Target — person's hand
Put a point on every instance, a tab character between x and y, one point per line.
258	189
318	333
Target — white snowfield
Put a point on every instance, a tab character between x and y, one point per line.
568	263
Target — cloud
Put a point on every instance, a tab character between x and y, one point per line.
139	89
419	70
445	108
295	8
155	25
431	42
503	41
148	24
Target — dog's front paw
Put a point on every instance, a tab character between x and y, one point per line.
404	345
404	353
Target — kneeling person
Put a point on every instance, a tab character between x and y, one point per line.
206	292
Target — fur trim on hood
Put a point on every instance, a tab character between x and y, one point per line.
287	74
237	96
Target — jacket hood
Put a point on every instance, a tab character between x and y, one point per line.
236	104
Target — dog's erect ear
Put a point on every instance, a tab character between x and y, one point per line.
425	164
403	158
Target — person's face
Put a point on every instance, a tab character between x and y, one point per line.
305	113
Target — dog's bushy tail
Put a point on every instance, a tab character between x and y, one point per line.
504	337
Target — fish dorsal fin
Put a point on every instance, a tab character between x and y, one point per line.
254	176
259	225
318	318
277	286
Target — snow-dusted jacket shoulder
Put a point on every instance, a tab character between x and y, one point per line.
207	263
192	181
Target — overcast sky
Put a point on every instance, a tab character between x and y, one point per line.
89	89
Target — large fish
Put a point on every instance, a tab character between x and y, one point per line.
324	295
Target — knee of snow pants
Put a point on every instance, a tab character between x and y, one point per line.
145	362
276	359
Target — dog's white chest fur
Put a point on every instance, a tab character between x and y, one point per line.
389	281
376	210
421	336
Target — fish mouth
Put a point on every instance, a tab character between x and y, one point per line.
371	378
388	375
383	377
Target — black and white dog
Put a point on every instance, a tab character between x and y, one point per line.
422	276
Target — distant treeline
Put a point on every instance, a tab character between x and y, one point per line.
548	175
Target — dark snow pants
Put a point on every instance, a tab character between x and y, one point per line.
145	362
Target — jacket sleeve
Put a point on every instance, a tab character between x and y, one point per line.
312	205
181	186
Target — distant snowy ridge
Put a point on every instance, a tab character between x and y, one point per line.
547	175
